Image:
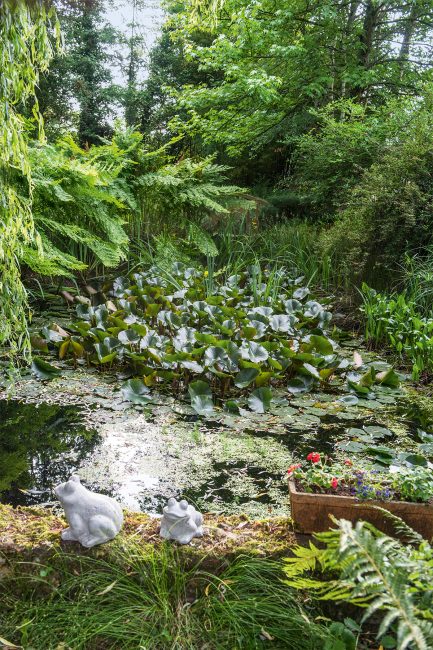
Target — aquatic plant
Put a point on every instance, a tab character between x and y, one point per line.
170	332
394	320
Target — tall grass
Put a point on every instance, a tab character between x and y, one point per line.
148	599
292	245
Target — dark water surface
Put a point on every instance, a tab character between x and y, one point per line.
39	446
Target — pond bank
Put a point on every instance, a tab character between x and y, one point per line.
34	534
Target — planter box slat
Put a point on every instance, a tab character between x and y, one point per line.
310	512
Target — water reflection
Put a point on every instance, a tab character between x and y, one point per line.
40	445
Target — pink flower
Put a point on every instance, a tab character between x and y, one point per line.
348	462
314	457
292	468
334	483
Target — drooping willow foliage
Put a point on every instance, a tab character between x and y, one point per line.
25	50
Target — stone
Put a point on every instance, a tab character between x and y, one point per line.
93	518
181	522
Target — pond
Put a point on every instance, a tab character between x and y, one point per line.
143	455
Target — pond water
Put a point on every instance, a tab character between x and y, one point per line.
142	456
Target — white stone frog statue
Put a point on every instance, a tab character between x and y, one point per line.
181	521
93	518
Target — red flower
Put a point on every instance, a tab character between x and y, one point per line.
348	462
314	457
292	468
334	483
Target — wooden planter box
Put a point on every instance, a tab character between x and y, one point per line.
310	512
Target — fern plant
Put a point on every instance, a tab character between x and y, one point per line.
80	207
174	195
364	567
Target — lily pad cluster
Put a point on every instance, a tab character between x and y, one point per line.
230	346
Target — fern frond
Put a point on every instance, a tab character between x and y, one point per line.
373	571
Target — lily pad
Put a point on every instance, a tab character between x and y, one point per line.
135	391
201	397
44	370
260	400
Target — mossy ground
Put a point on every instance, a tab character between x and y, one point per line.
35	532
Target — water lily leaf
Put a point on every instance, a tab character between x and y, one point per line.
388	378
416	459
260	400
281	323
301	293
377	432
298	385
107	349
38	343
325	373
44	370
292	306
152	309
85	312
367	378
208	339
312	309
135	391
193	366
254	352
361	390
351	446
128	337
354	432
383	455
246	376
349	400
232	406
264	378
311	370
249	333
101	314
214	355
321	344
201	397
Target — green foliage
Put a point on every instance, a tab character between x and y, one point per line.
77	93
172	195
170	330
330	160
266	70
416	485
81	203
389	212
374	571
394	320
25	49
147	597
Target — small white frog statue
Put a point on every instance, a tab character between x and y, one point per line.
93	518
181	522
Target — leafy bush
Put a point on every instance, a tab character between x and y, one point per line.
179	330
388	213
394	320
371	570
